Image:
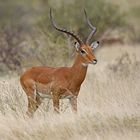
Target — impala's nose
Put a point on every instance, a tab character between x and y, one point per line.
94	61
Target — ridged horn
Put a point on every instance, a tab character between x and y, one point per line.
94	29
64	30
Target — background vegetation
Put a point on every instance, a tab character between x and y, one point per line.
108	103
26	32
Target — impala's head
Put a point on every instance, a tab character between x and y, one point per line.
85	49
87	52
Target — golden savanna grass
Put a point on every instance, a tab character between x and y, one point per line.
108	104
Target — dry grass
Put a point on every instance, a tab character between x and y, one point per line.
109	104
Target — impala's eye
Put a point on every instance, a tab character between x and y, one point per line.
82	52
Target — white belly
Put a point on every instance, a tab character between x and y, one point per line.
49	96
67	96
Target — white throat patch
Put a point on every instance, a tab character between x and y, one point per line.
84	64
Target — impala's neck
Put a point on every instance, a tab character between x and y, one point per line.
79	69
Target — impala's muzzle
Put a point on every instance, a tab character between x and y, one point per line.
94	61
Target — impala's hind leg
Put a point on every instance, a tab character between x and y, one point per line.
33	100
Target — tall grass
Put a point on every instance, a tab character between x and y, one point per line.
108	104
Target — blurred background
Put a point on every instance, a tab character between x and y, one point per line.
109	99
28	39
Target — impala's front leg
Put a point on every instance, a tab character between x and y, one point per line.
73	102
56	102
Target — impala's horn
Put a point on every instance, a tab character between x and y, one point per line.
64	30
91	27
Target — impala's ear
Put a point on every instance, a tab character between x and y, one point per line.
77	46
94	45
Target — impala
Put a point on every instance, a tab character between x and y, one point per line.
63	82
